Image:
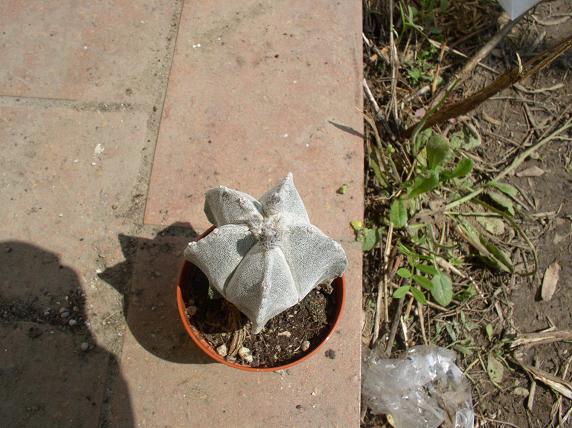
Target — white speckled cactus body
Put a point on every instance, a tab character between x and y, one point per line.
264	256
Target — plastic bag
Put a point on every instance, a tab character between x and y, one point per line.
423	389
515	8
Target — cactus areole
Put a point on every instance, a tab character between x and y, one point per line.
264	256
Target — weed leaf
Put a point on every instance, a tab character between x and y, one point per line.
438	151
370	238
423	282
490	331
486	249
422	138
463	168
509	189
495	370
424	184
401	292
398	214
377	171
464	140
442	290
502	201
419	296
404	273
493	225
430	270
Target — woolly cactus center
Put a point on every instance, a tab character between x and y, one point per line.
268	232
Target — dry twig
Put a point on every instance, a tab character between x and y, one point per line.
382	289
502	82
541	338
476	59
559	385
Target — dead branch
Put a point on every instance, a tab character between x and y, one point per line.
541	338
502	82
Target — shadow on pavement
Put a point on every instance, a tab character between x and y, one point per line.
147	280
52	373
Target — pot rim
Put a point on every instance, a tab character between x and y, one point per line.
201	342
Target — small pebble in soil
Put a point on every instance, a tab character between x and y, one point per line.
221	350
191	310
84	346
305	345
331	354
72	322
245	354
285	333
65	314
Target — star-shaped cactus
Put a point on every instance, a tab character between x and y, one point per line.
264	256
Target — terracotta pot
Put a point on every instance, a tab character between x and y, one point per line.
339	293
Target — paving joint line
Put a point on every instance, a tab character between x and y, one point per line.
137	212
155	119
77	105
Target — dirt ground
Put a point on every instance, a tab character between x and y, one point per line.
508	122
550	230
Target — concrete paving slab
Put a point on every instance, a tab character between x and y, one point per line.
110	50
46	380
259	88
69	180
171	384
70	184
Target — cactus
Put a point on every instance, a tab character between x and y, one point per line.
264	256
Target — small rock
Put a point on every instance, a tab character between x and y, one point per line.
63	309
299	406
72	322
222	350
75	309
305	345
65	314
285	333
84	346
520	391
191	310
331	354
245	354
533	171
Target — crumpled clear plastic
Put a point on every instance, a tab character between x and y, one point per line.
515	8
424	388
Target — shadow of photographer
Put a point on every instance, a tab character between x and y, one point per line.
52	372
147	280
